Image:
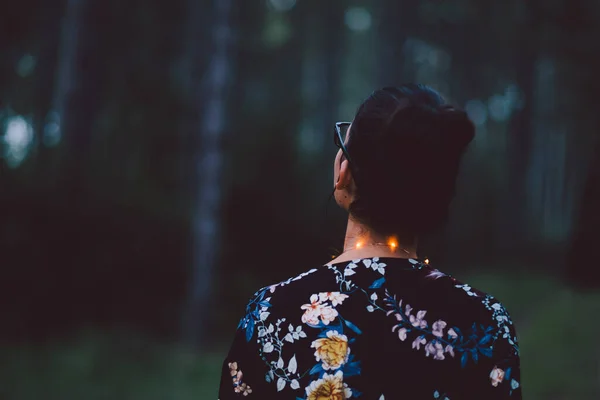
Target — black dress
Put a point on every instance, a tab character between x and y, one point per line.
373	329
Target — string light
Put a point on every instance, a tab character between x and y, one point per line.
392	243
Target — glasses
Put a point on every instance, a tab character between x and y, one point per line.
340	133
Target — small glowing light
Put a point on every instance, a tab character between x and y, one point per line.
282	5
477	111
25	65
427	261
357	19
359	245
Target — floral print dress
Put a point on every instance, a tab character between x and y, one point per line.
373	328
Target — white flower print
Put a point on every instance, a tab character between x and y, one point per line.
312	311
496	376
264	315
437	346
297	278
402	334
268	347
418	342
336	298
418	321
349	270
435	274
502	319
514	384
436	349
294	334
438	328
375	265
467	289
316	310
328	314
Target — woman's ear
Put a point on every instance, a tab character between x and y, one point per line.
344	177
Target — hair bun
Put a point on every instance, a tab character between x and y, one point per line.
456	126
407	144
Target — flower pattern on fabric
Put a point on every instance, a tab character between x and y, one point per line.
432	338
329	387
238	385
332	351
316	311
441	396
324	326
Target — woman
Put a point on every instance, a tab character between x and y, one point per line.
377	322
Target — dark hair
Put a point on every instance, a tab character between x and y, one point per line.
406	143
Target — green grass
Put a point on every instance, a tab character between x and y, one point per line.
559	333
108	367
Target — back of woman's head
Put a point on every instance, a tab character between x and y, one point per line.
406	144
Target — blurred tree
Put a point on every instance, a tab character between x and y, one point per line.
396	23
211	95
581	270
513	227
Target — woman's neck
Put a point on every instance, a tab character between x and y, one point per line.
362	242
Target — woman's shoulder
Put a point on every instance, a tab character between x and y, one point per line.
470	307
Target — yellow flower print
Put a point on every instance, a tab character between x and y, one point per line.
330	387
496	376
333	350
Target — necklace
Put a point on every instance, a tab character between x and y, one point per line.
391	244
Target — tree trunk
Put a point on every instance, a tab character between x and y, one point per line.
513	224
578	26
53	129
581	271
206	221
397	23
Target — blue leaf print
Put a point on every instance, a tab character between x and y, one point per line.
250	329
507	374
352	368
353	327
475	355
317	369
485	339
377	284
463	359
486	351
264	304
